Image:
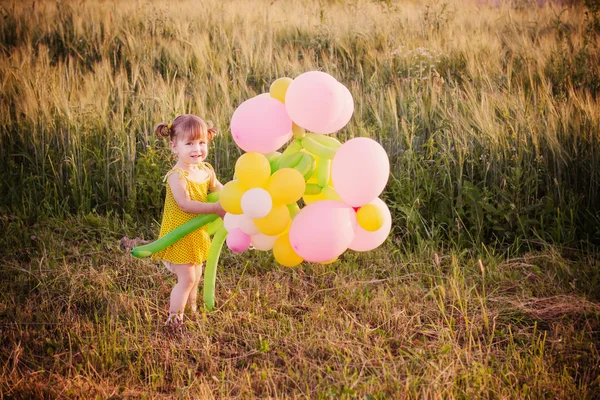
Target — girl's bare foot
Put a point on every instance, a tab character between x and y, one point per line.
174	323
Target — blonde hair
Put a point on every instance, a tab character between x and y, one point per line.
186	127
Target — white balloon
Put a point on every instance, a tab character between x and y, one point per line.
263	242
242	221
256	203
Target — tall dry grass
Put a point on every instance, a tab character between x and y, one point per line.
489	114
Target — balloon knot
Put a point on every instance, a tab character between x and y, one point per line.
356	209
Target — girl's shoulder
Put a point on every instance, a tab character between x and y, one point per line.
209	168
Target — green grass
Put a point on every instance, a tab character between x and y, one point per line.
486	288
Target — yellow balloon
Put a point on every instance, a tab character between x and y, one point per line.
252	170
286	186
284	253
279	88
231	197
275	222
329	261
369	217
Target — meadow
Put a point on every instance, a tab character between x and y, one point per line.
488	286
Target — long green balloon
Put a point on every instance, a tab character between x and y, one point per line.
214	226
176	234
210	274
317	148
173	236
323	172
312	189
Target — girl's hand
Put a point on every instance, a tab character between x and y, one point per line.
219	210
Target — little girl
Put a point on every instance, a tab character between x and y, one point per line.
188	184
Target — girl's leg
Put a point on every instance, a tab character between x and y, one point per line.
193	296
186	277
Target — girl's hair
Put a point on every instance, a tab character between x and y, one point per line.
186	127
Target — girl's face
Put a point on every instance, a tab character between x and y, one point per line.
190	151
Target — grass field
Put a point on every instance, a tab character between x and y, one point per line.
488	287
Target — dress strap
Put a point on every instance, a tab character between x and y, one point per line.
182	173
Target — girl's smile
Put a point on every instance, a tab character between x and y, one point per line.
190	151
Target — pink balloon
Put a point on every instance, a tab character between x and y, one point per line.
261	124
314	101
237	240
365	240
322	230
347	111
360	170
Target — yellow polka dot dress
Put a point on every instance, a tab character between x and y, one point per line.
192	248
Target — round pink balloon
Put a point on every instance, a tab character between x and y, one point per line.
347	111
314	101
365	240
360	170
261	124
237	240
322	230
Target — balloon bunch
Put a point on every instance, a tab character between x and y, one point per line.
339	184
257	202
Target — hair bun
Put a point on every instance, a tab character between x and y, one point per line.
212	131
162	130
